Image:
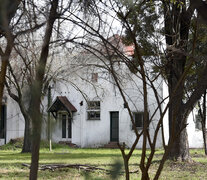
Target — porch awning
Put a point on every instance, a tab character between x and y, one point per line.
61	103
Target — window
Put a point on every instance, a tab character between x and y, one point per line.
198	120
138	118
63	126
93	110
94	77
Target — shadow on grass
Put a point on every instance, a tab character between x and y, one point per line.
12	156
15	174
79	155
63	156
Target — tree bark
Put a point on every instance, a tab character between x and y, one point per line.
36	91
36	136
126	167
180	147
177	120
27	137
4	64
204	139
177	25
202	113
6	14
204	123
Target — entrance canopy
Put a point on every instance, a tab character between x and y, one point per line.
61	103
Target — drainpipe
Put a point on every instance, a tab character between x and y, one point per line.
48	118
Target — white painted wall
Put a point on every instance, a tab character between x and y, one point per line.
195	136
95	133
15	121
2	142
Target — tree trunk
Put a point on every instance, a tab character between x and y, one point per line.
202	112
4	64
177	122
177	114
145	175
180	147
36	136
27	137
204	138
177	25
204	123
36	91
126	168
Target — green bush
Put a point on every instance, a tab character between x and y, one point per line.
14	144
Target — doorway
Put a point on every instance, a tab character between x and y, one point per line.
66	127
114	126
3	122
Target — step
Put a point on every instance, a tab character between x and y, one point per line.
111	145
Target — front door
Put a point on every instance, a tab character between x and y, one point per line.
66	127
114	135
3	122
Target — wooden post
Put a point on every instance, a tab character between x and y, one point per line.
49	119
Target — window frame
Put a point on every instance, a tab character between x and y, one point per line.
198	121
142	123
94	107
68	119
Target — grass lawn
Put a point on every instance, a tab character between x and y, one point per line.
11	163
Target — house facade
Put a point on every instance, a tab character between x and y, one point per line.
109	121
92	112
87	106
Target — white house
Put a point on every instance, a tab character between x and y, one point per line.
88	110
91	112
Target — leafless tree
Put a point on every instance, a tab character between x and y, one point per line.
110	53
20	75
36	88
96	36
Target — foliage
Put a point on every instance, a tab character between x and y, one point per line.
198	48
16	144
143	20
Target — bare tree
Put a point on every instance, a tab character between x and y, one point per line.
109	51
20	75
36	91
179	110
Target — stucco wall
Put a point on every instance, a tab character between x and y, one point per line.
15	121
95	133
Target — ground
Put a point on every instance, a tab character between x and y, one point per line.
11	163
